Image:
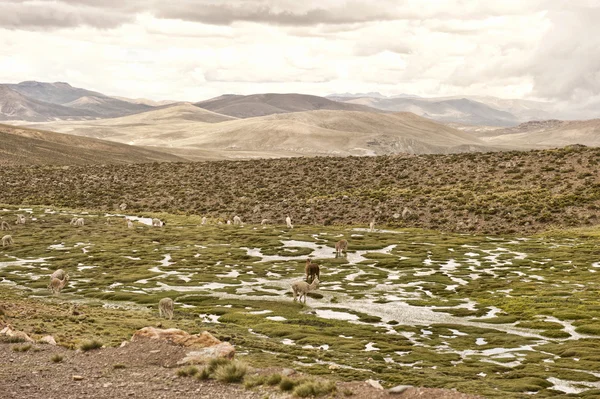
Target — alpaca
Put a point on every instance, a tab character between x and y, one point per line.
288	221
165	307
311	270
56	285
237	221
372	226
158	223
264	222
341	246
4	226
59	274
78	222
301	288
20	219
7	240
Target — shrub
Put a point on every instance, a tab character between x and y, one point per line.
273	379
232	372
57	358
23	348
254	381
188	371
287	384
90	345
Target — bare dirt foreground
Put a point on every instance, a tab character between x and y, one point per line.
141	369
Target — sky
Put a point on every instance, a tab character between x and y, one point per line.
196	49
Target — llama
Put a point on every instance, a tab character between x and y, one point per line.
56	285
59	274
264	222
311	270
20	219
158	223
301	288
288	222
7	240
77	222
341	246
165	307
237	221
4	226
372	226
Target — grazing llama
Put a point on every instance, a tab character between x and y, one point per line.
56	285
4	226
77	222
311	270
372	226
288	222
301	288
237	221
7	240
59	274
20	219
341	246
158	223
165	308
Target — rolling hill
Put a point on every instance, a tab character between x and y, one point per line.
547	134
22	146
457	110
273	103
159	127
192	131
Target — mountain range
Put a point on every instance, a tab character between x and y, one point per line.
38	101
284	125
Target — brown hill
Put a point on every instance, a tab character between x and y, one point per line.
21	146
274	103
185	129
549	133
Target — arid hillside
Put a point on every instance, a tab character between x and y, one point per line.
274	103
194	131
504	192
21	146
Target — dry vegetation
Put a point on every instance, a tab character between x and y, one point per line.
476	192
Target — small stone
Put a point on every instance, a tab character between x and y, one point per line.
374	384
155	351
287	372
106	385
77	377
124	343
333	367
399	389
48	339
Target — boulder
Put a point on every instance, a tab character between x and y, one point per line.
177	337
399	389
48	339
204	345
374	384
9	331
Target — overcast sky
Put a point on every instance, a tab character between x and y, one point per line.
196	49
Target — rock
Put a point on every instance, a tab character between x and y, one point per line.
9	331
287	372
205	346
123	344
177	337
333	367
77	377
407	214
48	339
204	355
374	384
399	389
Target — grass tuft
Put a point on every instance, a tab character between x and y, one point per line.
90	345
232	373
